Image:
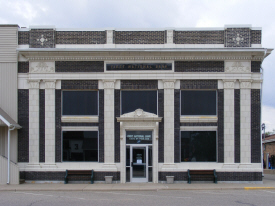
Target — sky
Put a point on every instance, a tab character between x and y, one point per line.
155	14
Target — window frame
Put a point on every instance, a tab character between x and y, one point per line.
131	90
199	115
77	90
77	130
199	130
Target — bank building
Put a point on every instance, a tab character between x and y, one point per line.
136	105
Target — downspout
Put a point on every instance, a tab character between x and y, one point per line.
262	155
9	130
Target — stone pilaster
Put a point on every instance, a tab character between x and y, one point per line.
229	86
170	36
33	123
110	34
245	96
49	123
169	86
109	123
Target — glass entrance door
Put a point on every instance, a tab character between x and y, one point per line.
139	164
139	156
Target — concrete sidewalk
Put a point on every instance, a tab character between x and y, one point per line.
268	183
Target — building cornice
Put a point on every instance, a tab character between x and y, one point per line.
142	54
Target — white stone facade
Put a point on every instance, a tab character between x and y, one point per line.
158	63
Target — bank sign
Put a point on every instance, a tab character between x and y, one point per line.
139	66
138	137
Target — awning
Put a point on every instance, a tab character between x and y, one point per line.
4	117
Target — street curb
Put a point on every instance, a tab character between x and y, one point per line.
131	189
258	188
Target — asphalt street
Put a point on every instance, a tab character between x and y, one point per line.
160	198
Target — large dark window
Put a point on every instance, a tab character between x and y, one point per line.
80	103
80	146
132	100
198	102
198	146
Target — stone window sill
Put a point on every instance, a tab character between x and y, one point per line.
198	119
79	119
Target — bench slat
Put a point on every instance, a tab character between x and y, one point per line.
70	173
202	173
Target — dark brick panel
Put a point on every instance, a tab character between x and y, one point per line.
79	66
79	84
256	36
59	176
222	176
81	37
232	34
198	37
196	124
199	66
178	176
139	84
139	37
256	66
255	125
23	67
198	84
101	125
58	137
220	125
239	176
79	124
117	125
37	34
237	125
23	121
41	125
23	37
177	155
43	176
100	176
161	125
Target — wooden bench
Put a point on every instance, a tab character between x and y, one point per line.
74	173
210	174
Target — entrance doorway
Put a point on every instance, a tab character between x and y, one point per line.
139	157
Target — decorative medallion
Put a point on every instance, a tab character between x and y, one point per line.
138	112
42	39
237	37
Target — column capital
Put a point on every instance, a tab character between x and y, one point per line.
34	83
245	83
109	84
169	83
229	84
49	84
